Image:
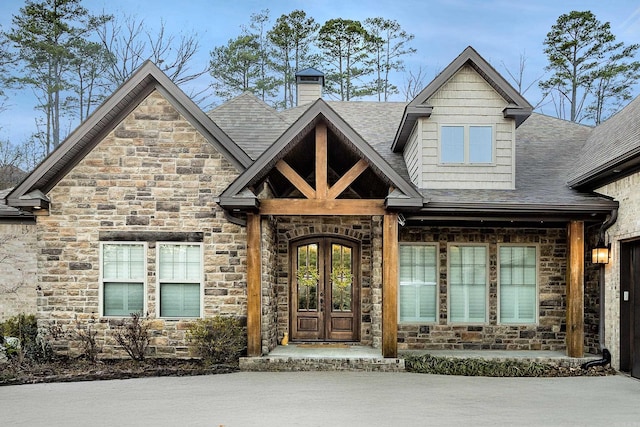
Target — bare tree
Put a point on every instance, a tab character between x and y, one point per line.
131	43
413	83
518	78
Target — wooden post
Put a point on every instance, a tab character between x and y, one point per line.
575	289
321	161
390	285
254	338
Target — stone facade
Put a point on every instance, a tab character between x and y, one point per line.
626	228
18	284
547	334
154	174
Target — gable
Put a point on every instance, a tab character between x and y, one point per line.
29	194
295	156
517	107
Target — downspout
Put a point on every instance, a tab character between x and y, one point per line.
606	355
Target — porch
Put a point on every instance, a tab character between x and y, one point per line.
344	357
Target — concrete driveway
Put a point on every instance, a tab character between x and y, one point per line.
325	399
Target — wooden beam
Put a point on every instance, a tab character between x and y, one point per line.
296	179
321	207
347	179
321	161
254	300
390	285
575	289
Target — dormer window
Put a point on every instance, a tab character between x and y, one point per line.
466	144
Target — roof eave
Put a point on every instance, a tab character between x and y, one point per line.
608	172
409	118
520	114
239	203
600	205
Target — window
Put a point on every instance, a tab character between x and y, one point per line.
518	284
467	283
123	271
418	277
180	279
466	144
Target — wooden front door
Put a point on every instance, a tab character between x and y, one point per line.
630	308
325	290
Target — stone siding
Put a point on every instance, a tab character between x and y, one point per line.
154	173
18	267
627	227
269	321
547	334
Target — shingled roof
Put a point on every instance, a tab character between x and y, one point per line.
545	155
612	150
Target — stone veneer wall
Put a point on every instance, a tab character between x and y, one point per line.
359	228
269	320
18	267
591	295
548	334
627	227
153	173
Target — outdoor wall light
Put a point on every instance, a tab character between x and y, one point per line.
600	254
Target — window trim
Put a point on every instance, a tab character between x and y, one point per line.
466	144
487	284
537	290
101	307
437	297
160	282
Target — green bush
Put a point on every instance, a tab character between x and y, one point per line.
218	340
32	346
427	364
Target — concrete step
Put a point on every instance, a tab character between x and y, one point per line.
288	364
304	357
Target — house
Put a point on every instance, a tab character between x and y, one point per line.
461	220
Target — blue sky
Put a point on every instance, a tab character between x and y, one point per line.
500	30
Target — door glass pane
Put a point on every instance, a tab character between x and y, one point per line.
341	278
307	277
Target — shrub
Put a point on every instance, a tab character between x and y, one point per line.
86	335
31	345
133	336
218	340
427	364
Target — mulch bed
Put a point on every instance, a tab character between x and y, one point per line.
68	370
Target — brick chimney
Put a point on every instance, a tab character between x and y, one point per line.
309	84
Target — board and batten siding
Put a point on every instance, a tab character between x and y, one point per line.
466	99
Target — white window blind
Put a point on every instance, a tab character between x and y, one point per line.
123	273
418	278
518	284
467	284
180	276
